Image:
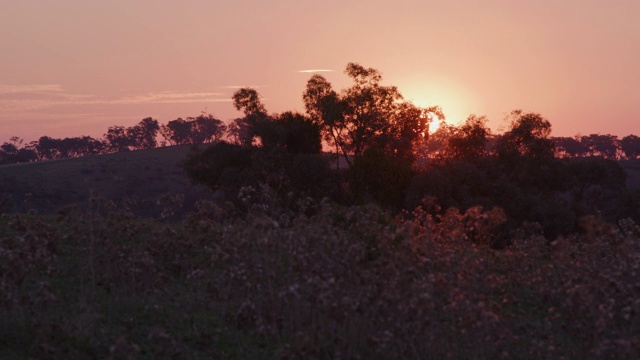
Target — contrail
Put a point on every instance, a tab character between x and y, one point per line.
314	70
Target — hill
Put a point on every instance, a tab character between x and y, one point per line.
139	177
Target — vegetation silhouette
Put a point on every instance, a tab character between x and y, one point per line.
399	244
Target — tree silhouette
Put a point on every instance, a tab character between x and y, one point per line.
117	138
13	152
528	137
605	146
570	147
199	130
298	134
631	146
206	129
248	101
469	141
244	129
365	114
176	132
143	135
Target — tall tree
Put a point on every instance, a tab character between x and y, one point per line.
528	137
177	132
469	141
631	146
144	134
364	115
206	128
570	147
248	101
605	146
118	138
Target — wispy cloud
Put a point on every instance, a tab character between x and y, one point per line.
166	98
34	97
22	89
244	86
314	70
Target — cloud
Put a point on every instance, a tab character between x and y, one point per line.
23	89
244	86
167	98
15	99
315	70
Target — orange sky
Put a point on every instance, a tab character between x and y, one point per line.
76	67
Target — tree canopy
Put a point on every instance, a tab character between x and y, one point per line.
367	114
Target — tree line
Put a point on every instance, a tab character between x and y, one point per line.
384	154
202	129
364	115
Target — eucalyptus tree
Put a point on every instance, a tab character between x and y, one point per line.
367	114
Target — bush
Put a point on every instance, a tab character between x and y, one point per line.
380	177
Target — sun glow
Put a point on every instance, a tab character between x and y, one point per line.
455	99
434	123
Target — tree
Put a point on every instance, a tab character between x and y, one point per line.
469	141
570	147
406	130
240	132
13	152
631	146
299	134
324	107
143	135
177	132
248	101
364	115
528	137
117	138
221	165
206	129
436	143
605	146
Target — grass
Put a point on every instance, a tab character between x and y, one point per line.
100	280
140	176
345	283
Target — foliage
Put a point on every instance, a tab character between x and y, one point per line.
347	282
380	177
199	130
221	165
12	152
630	145
231	167
469	141
527	139
366	114
140	136
297	134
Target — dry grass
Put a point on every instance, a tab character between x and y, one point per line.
344	283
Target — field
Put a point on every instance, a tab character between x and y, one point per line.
106	279
140	178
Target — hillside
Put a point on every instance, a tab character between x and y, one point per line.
140	177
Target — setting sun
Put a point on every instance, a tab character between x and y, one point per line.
434	124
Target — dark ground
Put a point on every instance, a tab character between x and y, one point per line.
139	177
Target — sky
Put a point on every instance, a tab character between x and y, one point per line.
76	67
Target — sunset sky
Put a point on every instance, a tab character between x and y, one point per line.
76	67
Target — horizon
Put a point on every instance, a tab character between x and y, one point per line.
76	68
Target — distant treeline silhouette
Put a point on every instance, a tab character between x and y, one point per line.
144	135
446	142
